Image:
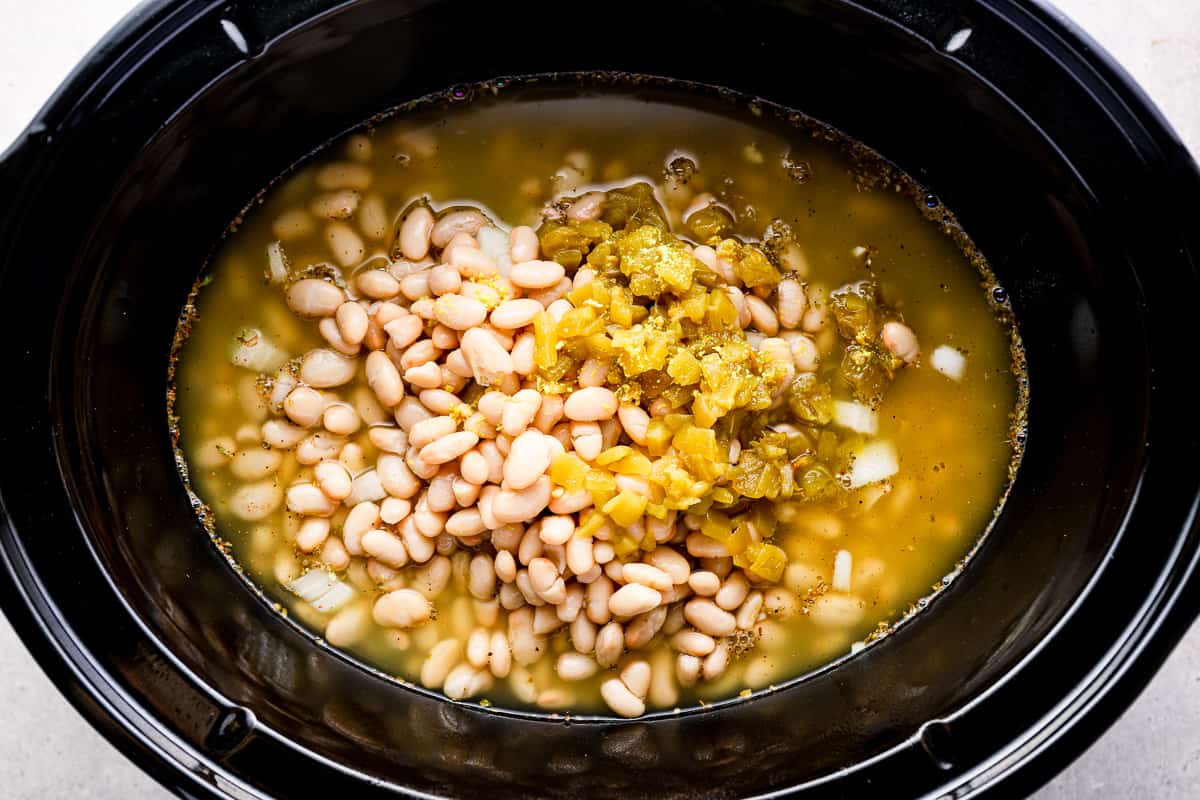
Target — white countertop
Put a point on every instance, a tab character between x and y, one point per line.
47	750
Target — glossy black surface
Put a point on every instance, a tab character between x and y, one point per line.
1082	199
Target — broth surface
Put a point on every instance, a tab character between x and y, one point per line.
511	155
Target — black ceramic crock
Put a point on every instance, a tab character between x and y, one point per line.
1071	183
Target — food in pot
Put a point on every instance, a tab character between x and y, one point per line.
526	408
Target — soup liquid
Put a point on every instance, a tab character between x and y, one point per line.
510	156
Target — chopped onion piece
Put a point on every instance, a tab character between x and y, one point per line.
857	647
366	488
842	563
311	585
251	350
855	416
495	243
338	595
949	362
277	269
875	462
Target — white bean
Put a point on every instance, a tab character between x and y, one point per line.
499	655
313	297
590	404
526	646
433	578
536	274
900	341
460	313
345	243
343	175
448	448
579	555
708	617
519	411
478	644
587	207
481	580
556	530
334	479
636	677
373	217
642	628
255	501
632	599
523	505
716	661
490	363
430	430
386	547
467	221
747	615
546	581
420	548
523	244
836	610
255	463
610	641
395	476
303	406
361	518
792	303
347	626
403	608
671	562
312	534
693	643
441	659
341	419
733	592
327	368
393	509
687	669
415	233
528	459
762	315
702	546
465	681
647	575
571	502
305	498
587	440
620	699
404	330
473	263
513	314
575	666
318	447
704	583
328	329
377	284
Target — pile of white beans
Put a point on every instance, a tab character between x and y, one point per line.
410	493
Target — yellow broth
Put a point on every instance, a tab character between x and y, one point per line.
510	156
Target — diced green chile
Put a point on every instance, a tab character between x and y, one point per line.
856	310
811	399
865	373
710	223
817	483
633	206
